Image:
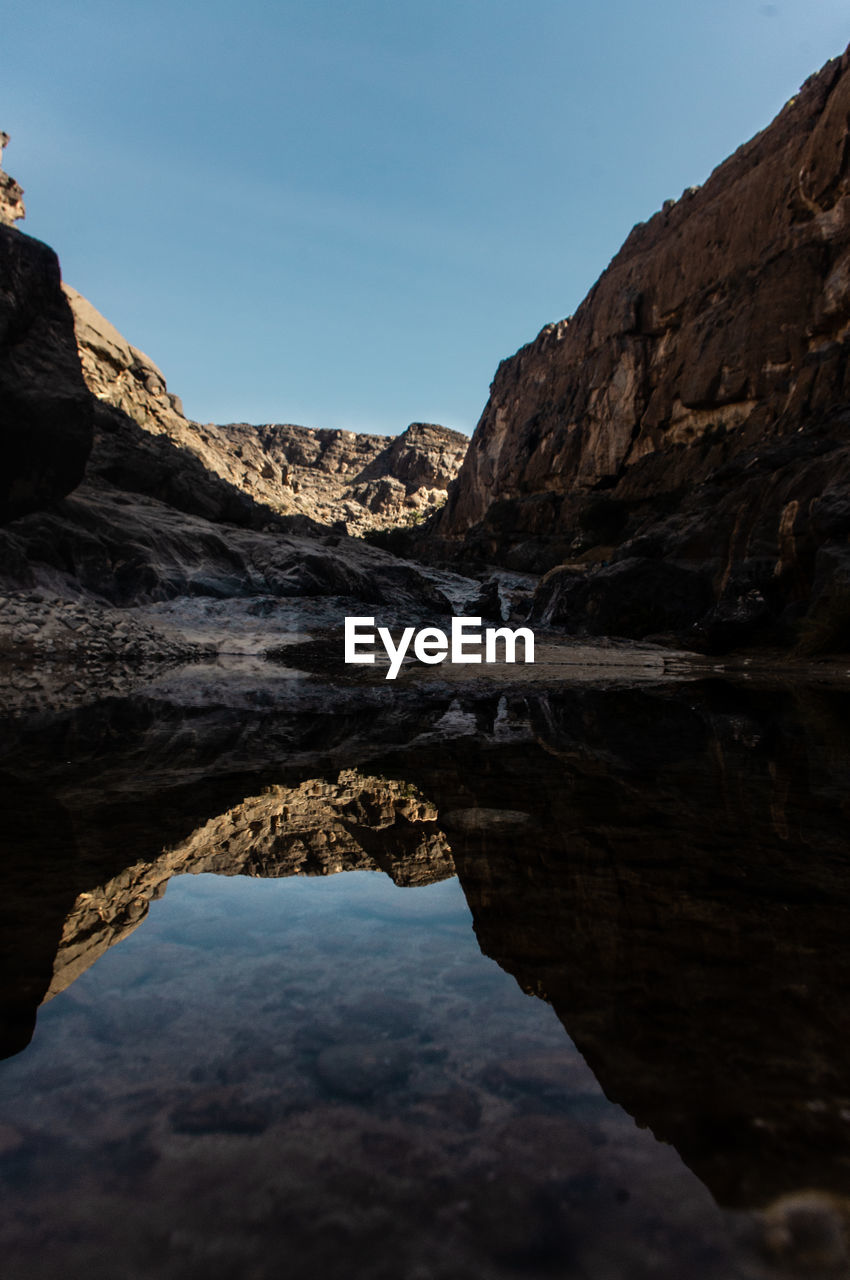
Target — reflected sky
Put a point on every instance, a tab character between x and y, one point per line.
326	1070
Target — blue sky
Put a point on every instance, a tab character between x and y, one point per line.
345	214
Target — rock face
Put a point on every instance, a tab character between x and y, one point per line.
690	421
45	409
408	479
129	548
122	376
354	481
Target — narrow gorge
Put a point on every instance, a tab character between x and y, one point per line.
444	968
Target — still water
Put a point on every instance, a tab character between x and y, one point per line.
510	988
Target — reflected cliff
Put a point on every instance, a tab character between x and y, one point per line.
316	829
668	867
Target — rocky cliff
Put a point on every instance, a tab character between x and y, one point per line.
152	523
688	428
108	490
354	481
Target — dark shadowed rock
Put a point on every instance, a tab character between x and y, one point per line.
488	602
633	598
127	548
45	407
160	515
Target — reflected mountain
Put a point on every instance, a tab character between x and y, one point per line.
668	867
319	828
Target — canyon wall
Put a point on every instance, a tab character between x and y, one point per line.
355	481
109	490
681	443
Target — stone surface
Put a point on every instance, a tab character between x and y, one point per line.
50	628
127	549
58	650
693	411
354	481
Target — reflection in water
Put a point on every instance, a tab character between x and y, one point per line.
667	868
317	828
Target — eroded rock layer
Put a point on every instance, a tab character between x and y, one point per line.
690	422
